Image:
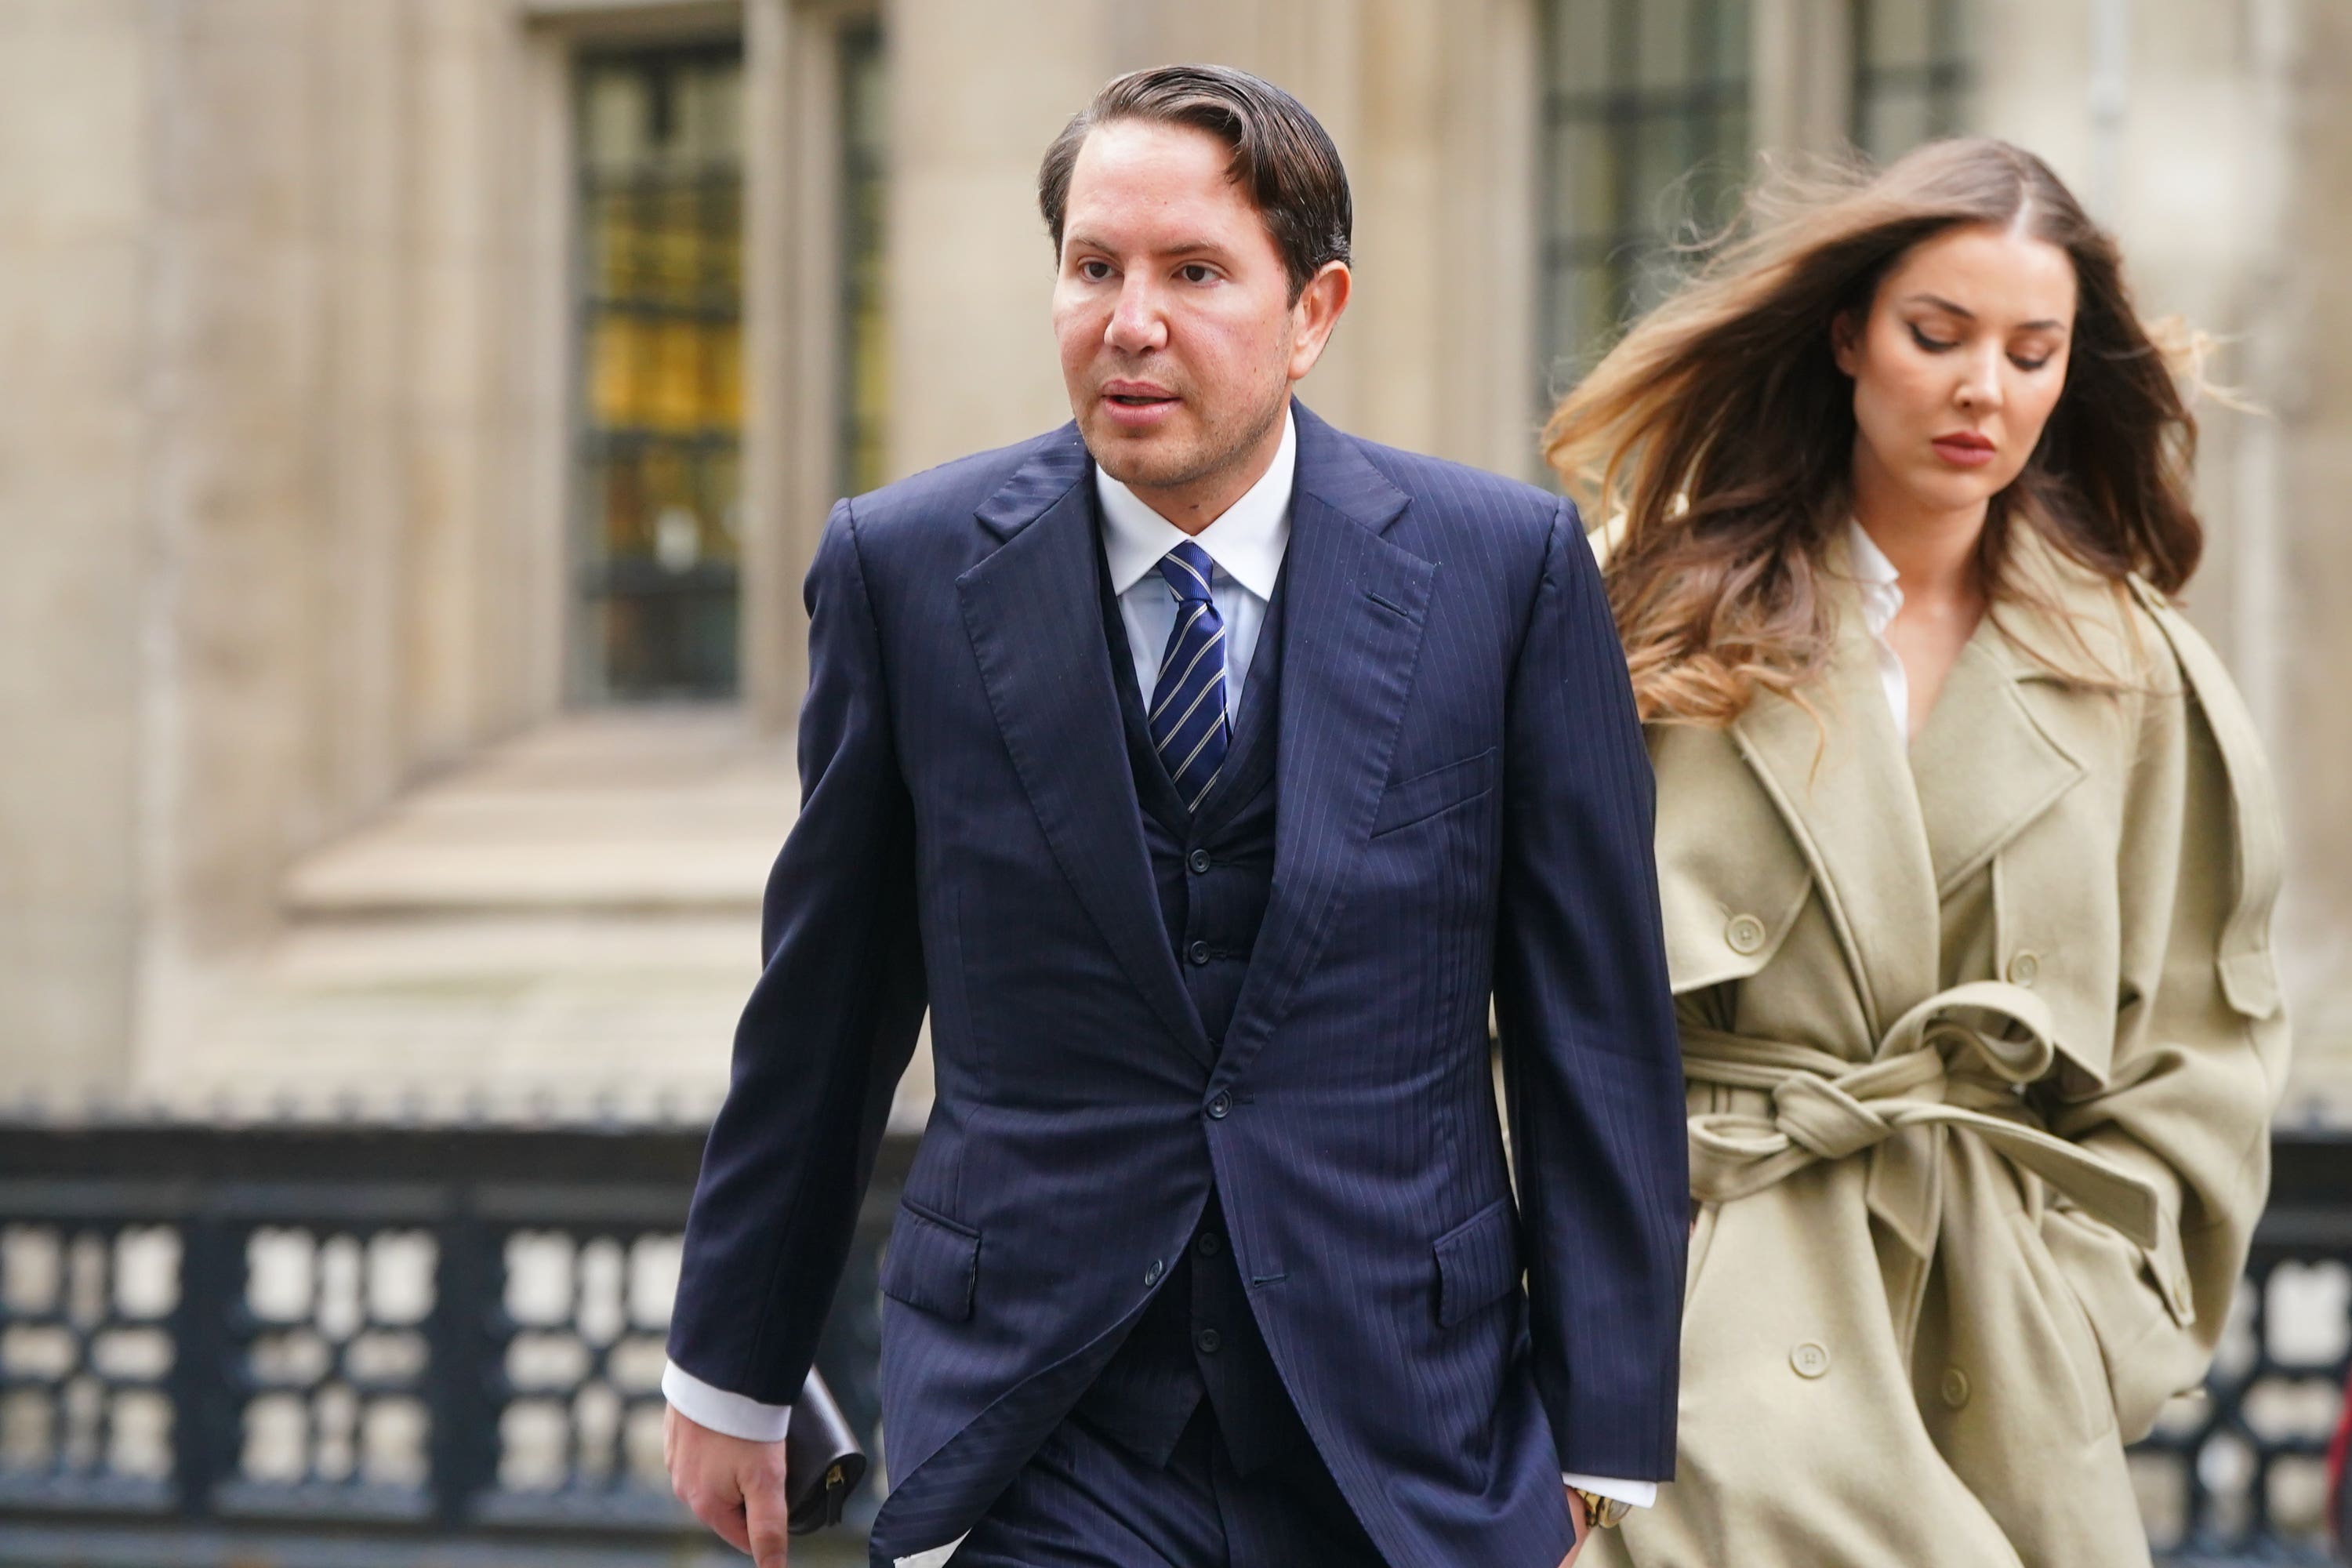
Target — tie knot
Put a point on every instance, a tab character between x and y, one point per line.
1188	569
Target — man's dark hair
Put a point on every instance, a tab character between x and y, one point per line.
1283	159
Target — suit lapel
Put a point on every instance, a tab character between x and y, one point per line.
1351	629
1032	610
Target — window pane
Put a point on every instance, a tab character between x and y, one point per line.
1913	73
865	341
1656	157
661	362
1897	32
1584	183
1580	46
1666	34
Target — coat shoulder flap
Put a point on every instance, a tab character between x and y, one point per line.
1731	880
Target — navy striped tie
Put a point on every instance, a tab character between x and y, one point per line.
1188	701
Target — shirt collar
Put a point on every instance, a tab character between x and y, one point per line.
1246	540
1882	598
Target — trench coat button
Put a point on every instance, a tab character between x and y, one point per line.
1151	1275
1956	1387
1745	933
1198	953
1208	1340
1220	1104
2024	969
1809	1359
1199	862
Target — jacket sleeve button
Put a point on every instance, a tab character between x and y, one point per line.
1746	934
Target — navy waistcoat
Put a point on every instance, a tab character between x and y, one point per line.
1213	870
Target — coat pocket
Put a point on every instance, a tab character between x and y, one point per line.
933	1264
1441	789
1477	1262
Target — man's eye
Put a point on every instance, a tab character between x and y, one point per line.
1932	345
1198	273
1094	271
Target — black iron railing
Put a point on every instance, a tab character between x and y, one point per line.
347	1346
306	1347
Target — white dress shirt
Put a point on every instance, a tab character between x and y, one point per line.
1882	599
1246	542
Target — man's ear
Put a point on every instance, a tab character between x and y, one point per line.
1316	311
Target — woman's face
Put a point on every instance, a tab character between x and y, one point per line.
1956	367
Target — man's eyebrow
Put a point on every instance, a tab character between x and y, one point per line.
1077	241
1939	303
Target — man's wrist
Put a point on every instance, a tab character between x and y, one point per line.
1634	1494
730	1415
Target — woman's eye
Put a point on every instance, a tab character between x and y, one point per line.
2028	363
1932	345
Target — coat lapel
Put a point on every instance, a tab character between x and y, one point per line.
1351	629
1033	613
1986	768
1844	789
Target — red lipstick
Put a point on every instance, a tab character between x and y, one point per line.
1965	448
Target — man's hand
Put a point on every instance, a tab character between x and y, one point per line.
1575	1514
734	1485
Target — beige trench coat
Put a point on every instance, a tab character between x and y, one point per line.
1981	1044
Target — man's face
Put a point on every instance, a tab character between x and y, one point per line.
1178	338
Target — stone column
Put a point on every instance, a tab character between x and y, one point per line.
77	80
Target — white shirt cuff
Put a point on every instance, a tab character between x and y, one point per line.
1641	1494
731	1414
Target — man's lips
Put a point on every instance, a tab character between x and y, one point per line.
1136	394
1137	405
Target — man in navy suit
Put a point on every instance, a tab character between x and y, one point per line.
1205	772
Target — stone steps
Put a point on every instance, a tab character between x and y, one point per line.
563	930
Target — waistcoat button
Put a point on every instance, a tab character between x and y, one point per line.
1198	953
1208	1340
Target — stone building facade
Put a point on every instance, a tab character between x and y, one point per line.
348	507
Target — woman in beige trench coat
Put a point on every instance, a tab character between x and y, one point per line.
1966	856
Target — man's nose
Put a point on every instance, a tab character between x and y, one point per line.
1137	324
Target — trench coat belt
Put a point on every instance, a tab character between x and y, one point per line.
1950	1064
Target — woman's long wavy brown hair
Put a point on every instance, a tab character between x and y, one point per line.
1715	441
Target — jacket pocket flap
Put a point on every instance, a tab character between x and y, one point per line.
933	1264
1477	1262
1425	794
2250	982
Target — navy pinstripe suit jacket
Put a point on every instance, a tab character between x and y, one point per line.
1466	811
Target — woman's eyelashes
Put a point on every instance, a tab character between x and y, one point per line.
1935	345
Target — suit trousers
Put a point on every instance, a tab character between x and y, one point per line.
1085	1501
